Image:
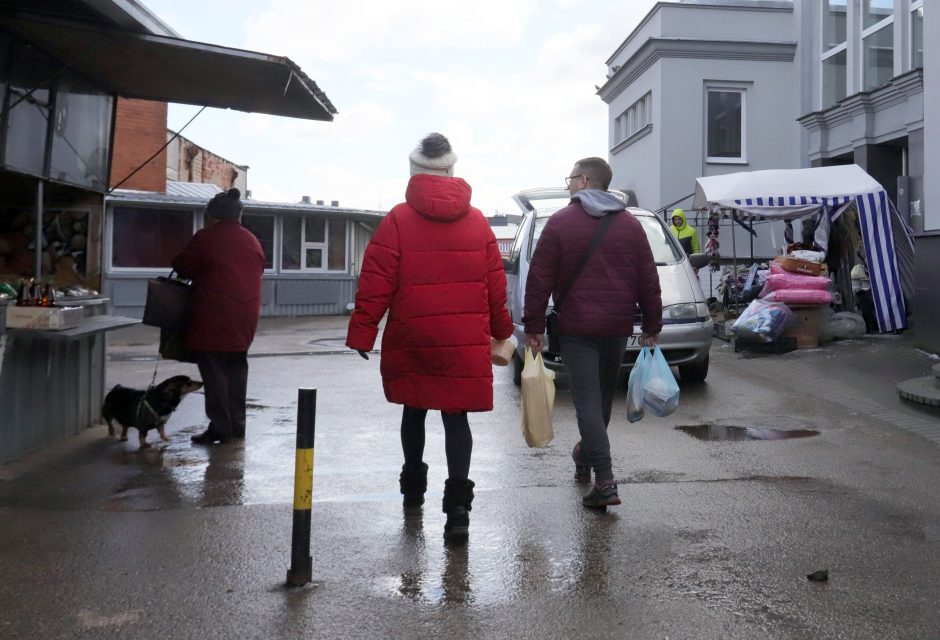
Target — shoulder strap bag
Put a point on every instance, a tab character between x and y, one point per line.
551	320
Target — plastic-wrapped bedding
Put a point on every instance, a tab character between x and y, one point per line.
799	296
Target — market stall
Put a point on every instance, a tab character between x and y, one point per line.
824	195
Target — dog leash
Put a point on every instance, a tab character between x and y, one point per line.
143	404
154	379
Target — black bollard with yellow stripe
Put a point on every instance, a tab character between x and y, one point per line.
301	564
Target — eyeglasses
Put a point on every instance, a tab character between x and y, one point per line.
570	178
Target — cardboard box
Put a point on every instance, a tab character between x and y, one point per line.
46	318
805	326
795	265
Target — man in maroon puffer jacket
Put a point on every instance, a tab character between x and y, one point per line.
225	262
598	312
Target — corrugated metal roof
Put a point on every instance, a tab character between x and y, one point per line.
128	197
156	67
192	189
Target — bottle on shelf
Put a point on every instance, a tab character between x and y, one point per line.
22	297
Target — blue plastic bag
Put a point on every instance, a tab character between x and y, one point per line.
660	389
652	386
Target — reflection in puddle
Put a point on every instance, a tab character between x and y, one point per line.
723	432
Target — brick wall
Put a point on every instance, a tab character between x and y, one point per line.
188	162
139	130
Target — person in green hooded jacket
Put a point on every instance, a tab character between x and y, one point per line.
686	235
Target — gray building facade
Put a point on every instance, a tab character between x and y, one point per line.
701	89
706	87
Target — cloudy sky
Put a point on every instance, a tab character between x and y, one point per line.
510	82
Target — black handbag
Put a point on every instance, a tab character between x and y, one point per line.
171	346
552	318
167	304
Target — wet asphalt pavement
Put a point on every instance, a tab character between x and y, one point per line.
715	537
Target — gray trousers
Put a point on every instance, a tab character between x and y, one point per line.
593	366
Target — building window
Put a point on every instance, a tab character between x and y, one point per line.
313	244
81	134
724	125
833	24
263	229
148	238
875	11
635	118
917	35
27	124
834	78
878	56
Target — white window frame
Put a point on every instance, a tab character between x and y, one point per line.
323	246
742	159
875	27
829	53
198	220
915	5
634	118
878	26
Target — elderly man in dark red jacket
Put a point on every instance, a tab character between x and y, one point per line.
599	306
225	262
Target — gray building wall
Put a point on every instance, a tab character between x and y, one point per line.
675	53
927	250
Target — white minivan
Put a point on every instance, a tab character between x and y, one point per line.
687	332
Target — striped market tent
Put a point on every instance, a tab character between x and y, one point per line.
788	194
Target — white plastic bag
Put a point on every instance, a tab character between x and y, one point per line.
538	400
652	386
660	389
635	386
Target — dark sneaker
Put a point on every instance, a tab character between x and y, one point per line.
210	437
457	526
600	497
582	470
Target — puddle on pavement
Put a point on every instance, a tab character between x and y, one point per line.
719	432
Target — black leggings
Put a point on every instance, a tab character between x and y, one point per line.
458	441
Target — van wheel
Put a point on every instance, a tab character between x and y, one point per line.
517	365
694	372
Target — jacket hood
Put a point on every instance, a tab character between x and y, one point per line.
598	203
438	197
678	213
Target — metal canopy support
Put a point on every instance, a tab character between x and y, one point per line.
37	250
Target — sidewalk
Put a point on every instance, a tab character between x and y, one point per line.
861	375
714	539
307	335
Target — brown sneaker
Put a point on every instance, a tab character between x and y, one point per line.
582	470
601	496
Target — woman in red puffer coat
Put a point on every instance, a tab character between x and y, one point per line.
434	265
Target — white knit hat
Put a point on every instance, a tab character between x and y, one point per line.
433	155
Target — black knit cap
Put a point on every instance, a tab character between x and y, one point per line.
226	205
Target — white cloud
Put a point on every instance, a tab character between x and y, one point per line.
510	82
355	30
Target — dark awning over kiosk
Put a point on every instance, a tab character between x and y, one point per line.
153	67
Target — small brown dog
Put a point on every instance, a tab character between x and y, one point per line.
148	409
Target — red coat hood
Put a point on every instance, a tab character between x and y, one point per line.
437	197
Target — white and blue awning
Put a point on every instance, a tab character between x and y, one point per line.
788	194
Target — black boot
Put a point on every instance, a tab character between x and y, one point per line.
458	498
413	482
